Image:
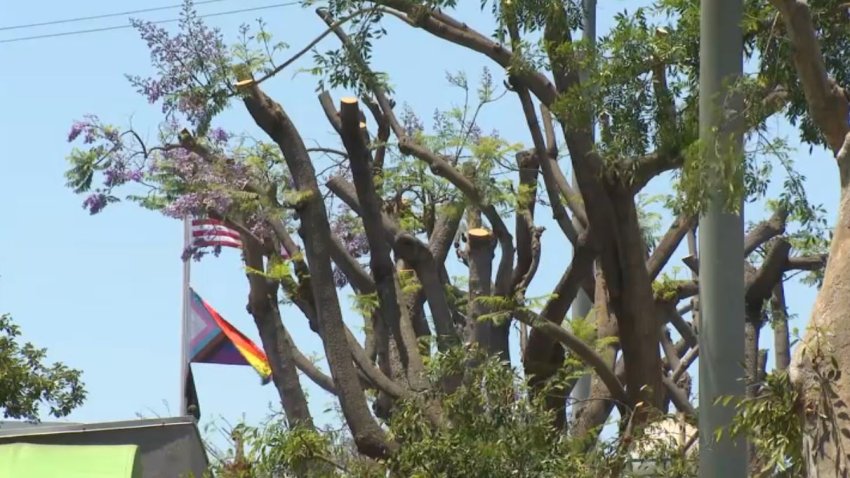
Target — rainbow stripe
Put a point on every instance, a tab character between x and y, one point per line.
214	340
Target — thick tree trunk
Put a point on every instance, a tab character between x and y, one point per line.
486	334
826	391
634	307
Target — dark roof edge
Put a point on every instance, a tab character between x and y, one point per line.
101	426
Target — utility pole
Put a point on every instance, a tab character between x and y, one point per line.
721	242
582	303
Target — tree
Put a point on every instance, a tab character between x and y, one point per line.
409	194
27	383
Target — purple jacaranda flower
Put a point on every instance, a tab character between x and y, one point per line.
95	203
76	129
112	177
89	136
340	280
192	67
348	231
219	135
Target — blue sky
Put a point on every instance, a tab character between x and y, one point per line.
103	293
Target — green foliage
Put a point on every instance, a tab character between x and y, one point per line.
408	281
650	221
278	269
583	327
665	288
416	195
27	383
366	304
492	429
494	432
257	50
771	422
276	450
297	198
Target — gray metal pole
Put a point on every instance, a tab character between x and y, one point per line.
721	244
582	303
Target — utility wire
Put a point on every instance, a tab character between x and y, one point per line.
120	27
106	15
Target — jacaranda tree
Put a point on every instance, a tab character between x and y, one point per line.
409	194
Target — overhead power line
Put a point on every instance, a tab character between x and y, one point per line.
105	15
120	27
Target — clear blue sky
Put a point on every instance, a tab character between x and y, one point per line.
103	293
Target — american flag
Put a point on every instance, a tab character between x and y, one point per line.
211	232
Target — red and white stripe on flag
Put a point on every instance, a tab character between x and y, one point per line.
211	232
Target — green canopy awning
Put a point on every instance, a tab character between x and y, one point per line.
24	460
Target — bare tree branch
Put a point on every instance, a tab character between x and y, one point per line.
781	337
443	26
270	116
826	99
765	230
678	397
685	363
651	165
761	284
381	264
526	196
668	244
422	260
581	349
438	164
807	263
262	305
418	255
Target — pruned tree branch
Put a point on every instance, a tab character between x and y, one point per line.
438	165
381	264
270	117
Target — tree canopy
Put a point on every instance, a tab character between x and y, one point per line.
27	383
379	212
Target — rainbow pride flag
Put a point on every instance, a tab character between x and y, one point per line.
214	340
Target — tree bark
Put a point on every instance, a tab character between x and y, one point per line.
270	116
488	335
383	269
592	414
277	343
826	421
826	391
781	337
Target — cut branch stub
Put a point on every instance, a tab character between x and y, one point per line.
479	235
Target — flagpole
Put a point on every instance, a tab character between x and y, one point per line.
184	321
